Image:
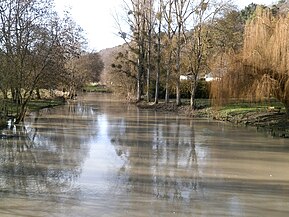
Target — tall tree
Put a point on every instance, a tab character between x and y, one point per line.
159	39
150	17
266	54
226	40
169	31
199	47
182	12
139	38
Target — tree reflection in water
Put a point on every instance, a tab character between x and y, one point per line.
44	156
103	158
160	155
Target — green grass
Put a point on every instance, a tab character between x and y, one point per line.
33	105
96	88
245	107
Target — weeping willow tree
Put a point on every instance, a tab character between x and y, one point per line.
266	54
262	69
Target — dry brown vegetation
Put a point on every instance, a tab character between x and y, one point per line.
262	69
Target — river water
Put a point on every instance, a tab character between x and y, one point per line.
99	157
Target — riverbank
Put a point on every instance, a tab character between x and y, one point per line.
33	105
272	121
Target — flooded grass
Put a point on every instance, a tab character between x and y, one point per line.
33	105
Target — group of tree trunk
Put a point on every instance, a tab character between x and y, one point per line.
38	50
167	39
245	51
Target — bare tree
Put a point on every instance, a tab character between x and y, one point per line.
150	17
35	45
159	42
169	31
198	46
138	27
183	12
23	33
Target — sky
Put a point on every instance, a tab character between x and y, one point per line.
97	18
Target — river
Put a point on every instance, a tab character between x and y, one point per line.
99	157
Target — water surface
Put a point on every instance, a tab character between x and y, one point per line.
99	157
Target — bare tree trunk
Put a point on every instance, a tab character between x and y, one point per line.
168	75
167	96
138	92
178	69
38	96
13	94
5	93
178	93
20	116
170	33
148	94
157	88
140	83
149	53
159	58
193	92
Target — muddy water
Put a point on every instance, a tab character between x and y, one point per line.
97	157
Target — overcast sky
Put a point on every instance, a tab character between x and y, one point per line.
96	17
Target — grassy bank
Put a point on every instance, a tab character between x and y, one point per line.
267	117
10	109
33	105
96	88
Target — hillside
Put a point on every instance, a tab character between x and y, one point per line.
108	56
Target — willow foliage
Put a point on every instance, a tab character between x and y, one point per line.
262	68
